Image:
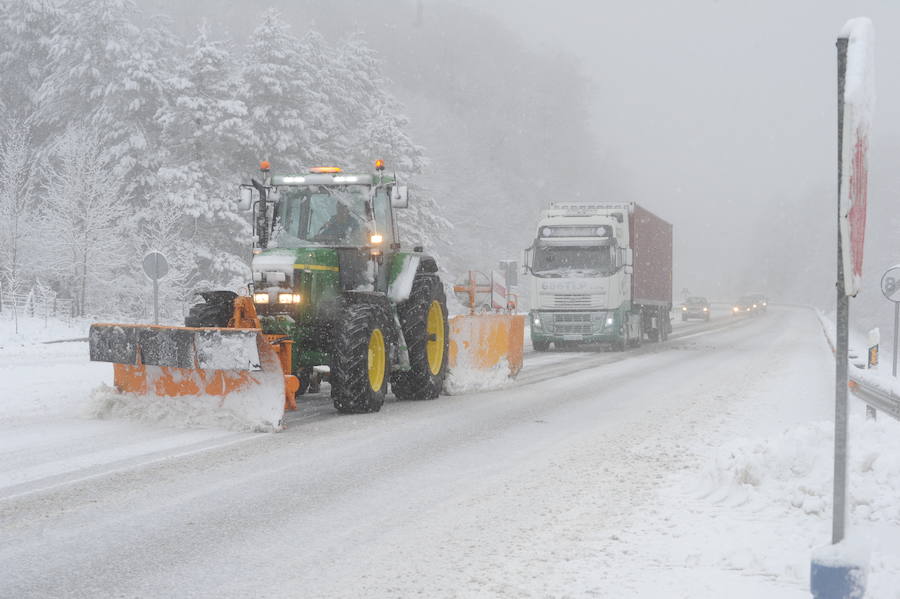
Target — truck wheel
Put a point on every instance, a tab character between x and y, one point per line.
359	368
540	344
423	318
215	311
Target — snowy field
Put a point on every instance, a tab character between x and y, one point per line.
700	468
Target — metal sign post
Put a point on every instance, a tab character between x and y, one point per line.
155	267
842	350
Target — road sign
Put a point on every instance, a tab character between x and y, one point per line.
856	104
155	266
890	284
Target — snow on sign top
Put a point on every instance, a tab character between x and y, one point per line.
859	105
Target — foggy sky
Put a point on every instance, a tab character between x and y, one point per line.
721	116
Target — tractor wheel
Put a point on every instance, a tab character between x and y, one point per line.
540	344
423	318
360	359
215	311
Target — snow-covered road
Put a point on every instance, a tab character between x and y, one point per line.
561	485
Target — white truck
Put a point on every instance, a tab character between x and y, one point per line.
600	273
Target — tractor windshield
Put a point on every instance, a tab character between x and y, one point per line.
321	214
572	261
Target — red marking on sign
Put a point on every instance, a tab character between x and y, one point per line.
858	192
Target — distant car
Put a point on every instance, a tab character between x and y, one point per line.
746	305
760	302
695	307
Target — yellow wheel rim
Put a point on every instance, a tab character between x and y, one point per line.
377	360
435	346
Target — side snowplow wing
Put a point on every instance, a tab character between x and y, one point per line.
487	342
180	361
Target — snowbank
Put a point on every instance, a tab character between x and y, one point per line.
255	410
466	379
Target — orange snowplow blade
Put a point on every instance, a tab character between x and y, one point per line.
485	341
178	361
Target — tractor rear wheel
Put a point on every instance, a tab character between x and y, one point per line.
423	318
540	344
360	359
215	311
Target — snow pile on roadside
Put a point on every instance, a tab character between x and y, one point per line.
255	410
778	490
465	379
795	469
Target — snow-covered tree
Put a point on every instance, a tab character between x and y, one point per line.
281	93
82	216
204	125
25	30
111	74
15	197
378	129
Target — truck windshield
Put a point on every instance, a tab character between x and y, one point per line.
568	261
321	214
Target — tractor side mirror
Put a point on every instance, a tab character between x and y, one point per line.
400	196
245	201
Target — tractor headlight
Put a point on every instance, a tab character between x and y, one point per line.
261	298
289	298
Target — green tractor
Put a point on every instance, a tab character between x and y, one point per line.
330	274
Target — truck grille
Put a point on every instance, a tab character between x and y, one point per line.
572	324
578	302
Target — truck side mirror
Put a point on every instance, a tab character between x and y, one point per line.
400	196
629	257
245	201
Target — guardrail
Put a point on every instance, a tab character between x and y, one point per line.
881	399
878	394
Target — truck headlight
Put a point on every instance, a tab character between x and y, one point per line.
536	320
609	321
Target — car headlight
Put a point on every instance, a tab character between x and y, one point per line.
705	309
684	308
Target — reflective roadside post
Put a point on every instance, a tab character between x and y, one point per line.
872	362
155	267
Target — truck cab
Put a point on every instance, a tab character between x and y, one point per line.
580	262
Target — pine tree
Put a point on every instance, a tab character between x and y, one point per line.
25	30
280	89
112	75
203	124
378	130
